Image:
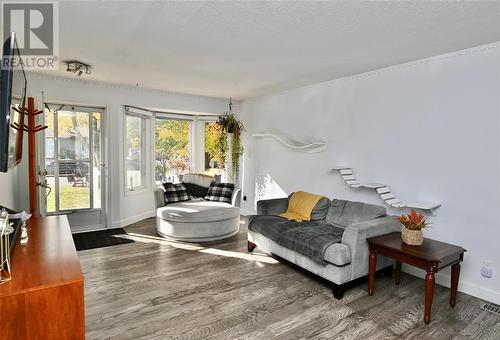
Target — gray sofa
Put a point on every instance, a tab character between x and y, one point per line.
332	245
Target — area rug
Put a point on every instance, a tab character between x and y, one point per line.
100	239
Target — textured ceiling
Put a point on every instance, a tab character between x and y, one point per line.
245	49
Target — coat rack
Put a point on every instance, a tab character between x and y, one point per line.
31	129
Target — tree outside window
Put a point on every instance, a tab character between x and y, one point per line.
172	148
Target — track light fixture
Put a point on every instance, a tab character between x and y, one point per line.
78	67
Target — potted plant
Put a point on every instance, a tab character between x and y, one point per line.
413	223
230	142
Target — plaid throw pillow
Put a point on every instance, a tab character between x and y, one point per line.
220	192
174	193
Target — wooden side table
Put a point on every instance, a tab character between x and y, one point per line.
431	256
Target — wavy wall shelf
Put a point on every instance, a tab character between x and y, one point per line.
383	191
314	147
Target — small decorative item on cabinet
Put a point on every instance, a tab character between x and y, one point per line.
5	231
413	223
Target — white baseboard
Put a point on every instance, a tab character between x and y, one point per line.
443	279
84	229
132	219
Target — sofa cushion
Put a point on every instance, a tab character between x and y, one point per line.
320	210
195	190
271	226
308	238
220	192
300	206
197	211
343	213
174	193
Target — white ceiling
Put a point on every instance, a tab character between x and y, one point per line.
245	49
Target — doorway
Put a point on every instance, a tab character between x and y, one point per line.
74	165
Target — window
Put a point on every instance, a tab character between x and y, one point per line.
172	148
134	153
214	162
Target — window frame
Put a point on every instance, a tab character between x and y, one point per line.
144	184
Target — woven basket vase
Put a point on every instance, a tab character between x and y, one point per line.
412	237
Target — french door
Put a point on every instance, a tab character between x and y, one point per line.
74	165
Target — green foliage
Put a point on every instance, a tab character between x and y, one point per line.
237	151
230	123
172	145
70	198
213	146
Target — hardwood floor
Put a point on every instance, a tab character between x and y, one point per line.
158	289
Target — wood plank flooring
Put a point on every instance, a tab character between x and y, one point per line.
158	289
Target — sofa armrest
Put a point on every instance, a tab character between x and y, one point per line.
355	236
159	198
273	206
236	197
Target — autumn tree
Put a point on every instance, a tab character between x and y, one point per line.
172	146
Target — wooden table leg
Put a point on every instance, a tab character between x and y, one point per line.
455	274
429	292
371	273
397	278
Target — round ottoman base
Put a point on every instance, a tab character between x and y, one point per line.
197	231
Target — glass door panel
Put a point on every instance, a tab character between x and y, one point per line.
50	162
97	161
73	159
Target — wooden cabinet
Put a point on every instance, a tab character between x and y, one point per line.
44	299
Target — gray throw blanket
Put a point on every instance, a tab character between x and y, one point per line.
307	238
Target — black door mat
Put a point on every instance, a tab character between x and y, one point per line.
100	239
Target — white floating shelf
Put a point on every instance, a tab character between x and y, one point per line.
314	147
423	205
382	190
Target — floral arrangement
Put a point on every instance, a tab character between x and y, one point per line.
413	221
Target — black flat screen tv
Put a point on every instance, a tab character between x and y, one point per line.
13	86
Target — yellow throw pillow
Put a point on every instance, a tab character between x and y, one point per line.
301	206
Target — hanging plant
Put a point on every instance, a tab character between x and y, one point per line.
237	152
229	123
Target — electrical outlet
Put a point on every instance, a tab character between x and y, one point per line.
487	269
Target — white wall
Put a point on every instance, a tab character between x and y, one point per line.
430	129
130	207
